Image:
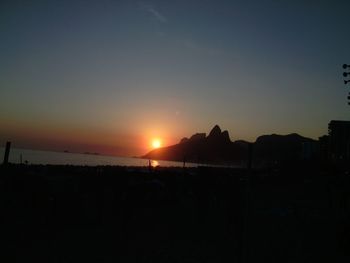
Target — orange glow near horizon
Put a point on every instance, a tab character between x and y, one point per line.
156	143
109	140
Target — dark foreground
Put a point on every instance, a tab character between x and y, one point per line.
118	214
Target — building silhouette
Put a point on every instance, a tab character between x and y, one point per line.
339	141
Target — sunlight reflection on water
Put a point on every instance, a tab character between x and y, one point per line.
62	158
154	163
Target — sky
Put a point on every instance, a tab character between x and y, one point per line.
109	76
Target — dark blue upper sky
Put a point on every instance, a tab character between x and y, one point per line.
137	69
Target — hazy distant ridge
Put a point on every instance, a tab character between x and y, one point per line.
218	148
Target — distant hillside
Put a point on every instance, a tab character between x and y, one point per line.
217	147
281	148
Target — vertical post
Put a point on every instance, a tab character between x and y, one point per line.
7	153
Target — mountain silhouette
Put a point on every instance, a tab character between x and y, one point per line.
214	148
275	147
218	148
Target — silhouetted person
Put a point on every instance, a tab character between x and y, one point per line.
7	153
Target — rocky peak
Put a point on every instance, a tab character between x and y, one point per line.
215	132
197	136
225	136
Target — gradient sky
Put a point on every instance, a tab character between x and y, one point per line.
108	76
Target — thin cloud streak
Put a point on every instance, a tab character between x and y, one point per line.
155	13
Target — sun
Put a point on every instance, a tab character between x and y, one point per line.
156	143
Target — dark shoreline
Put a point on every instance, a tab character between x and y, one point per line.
55	213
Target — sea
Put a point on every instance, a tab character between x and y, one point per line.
66	158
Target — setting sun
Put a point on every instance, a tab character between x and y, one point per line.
156	143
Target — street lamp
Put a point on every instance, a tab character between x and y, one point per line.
346	81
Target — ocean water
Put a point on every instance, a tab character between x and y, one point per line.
48	157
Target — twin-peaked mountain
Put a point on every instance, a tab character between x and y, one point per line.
218	148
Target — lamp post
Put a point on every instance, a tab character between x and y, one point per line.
346	81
